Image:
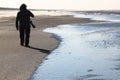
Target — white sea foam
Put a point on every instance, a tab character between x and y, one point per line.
9	13
98	15
86	52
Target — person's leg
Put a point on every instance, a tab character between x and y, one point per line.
21	36
27	32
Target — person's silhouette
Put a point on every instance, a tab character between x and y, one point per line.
23	24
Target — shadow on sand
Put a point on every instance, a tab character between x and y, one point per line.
41	50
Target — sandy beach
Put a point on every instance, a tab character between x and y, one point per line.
17	62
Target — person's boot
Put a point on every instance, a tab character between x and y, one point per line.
26	45
22	44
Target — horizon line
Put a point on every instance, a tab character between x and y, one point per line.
12	8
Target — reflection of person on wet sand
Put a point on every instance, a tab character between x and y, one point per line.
23	23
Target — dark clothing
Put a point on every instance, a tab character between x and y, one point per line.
23	25
23	18
24	35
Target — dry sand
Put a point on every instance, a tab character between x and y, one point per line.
17	62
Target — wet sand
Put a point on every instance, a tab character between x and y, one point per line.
17	62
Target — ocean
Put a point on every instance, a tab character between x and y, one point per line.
13	13
87	51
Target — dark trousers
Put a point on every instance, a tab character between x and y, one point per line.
24	35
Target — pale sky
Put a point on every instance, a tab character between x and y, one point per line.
64	4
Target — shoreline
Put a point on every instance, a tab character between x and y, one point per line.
18	63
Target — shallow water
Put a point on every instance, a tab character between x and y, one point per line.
86	52
113	16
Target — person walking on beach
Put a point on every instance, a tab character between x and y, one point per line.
23	24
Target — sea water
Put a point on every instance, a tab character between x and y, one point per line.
88	51
13	13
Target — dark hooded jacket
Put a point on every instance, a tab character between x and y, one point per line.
23	17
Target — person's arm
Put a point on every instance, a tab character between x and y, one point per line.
31	14
17	21
32	24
